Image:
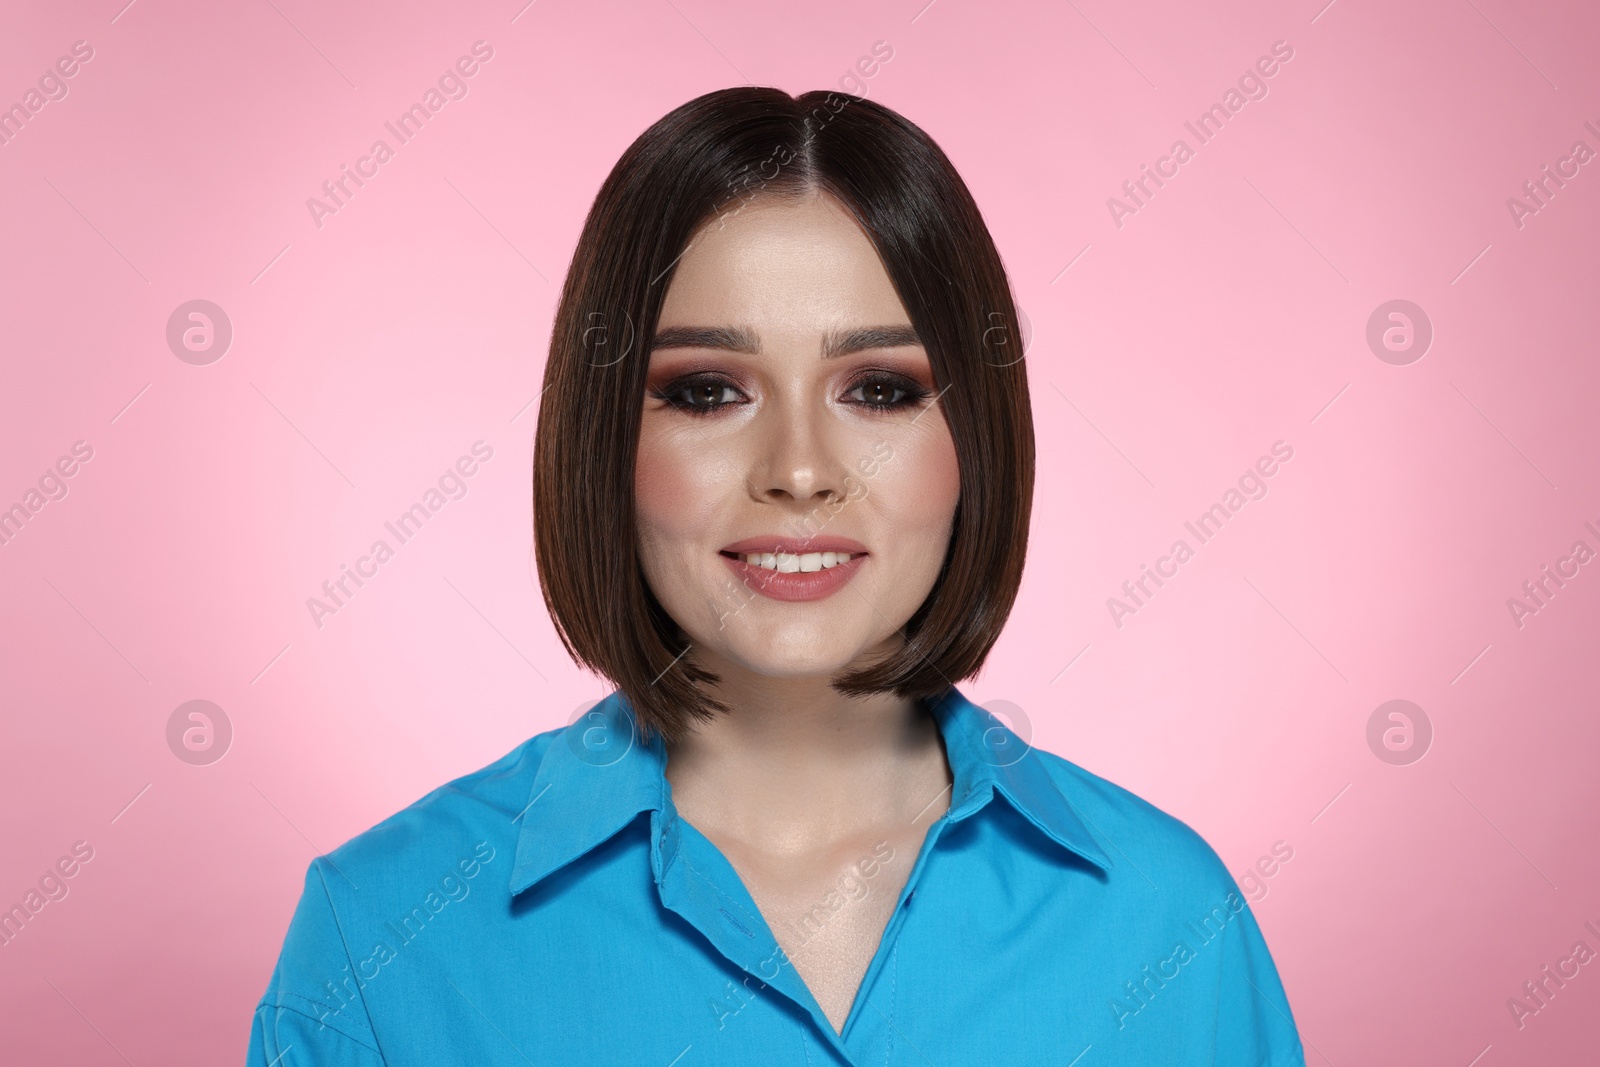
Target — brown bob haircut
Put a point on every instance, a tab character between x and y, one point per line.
700	162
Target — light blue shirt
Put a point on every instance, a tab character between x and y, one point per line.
528	915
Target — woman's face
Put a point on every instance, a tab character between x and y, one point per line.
790	418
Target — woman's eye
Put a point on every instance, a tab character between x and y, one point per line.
706	396
699	397
887	394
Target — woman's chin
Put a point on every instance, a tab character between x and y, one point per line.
787	658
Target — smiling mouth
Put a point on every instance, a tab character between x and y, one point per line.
794	563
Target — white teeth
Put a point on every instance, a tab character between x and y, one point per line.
790	563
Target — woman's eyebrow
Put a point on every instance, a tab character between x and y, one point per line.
728	338
739	339
843	343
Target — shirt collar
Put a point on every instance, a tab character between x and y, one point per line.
598	774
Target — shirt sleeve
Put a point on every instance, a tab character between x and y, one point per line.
312	1012
1254	1022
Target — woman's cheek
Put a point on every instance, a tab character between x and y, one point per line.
652	485
676	489
927	478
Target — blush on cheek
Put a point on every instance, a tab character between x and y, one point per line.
654	486
677	492
929	482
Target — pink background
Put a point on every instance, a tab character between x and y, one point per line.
1230	312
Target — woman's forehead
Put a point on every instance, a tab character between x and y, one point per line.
782	266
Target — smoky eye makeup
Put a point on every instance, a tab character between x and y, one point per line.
875	390
887	390
698	392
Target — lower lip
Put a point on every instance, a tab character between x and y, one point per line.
796	585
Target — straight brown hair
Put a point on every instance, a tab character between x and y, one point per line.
702	161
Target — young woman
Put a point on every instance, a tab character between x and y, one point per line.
782	481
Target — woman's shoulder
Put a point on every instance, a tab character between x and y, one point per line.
1165	897
475	813
365	900
1131	829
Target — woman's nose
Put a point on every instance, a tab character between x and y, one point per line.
797	455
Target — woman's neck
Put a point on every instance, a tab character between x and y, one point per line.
794	764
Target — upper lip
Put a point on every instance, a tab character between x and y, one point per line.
775	543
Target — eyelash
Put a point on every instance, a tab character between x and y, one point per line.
912	393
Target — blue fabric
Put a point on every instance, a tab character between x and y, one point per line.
530	914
